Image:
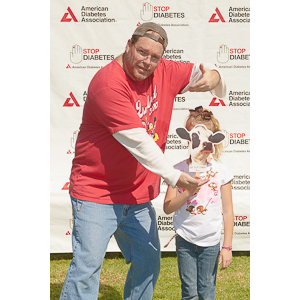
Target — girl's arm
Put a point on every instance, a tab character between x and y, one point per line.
225	256
173	202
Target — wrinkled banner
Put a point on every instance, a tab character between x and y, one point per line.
88	34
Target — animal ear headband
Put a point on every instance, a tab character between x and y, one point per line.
198	111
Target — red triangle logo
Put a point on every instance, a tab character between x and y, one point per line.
213	18
65	16
66	186
71	101
216	102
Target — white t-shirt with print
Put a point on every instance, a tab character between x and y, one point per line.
199	220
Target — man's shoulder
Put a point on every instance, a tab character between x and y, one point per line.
108	76
173	68
108	70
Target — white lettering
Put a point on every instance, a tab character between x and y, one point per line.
151	105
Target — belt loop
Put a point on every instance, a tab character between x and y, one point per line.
126	207
77	205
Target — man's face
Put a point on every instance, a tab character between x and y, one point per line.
142	58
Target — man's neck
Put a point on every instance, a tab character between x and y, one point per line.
119	60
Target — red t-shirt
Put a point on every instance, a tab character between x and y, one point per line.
103	170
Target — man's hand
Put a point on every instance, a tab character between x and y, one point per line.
187	182
209	80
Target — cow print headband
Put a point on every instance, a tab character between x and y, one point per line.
205	115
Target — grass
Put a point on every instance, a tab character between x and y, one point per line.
232	283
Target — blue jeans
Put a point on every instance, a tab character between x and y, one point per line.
135	230
197	269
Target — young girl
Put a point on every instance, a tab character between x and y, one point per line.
198	217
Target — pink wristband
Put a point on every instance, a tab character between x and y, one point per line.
227	248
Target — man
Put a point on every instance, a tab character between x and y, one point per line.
119	161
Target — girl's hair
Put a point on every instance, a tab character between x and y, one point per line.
199	115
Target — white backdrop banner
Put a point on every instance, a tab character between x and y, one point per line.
88	34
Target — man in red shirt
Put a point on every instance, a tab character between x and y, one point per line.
119	161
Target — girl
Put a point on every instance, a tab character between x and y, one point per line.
198	217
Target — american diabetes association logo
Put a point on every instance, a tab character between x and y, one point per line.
88	14
238	98
232	15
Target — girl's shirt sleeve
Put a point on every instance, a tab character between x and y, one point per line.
226	175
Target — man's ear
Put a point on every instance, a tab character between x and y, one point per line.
216	138
128	45
183	133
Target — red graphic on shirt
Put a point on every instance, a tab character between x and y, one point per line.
145	112
150	128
